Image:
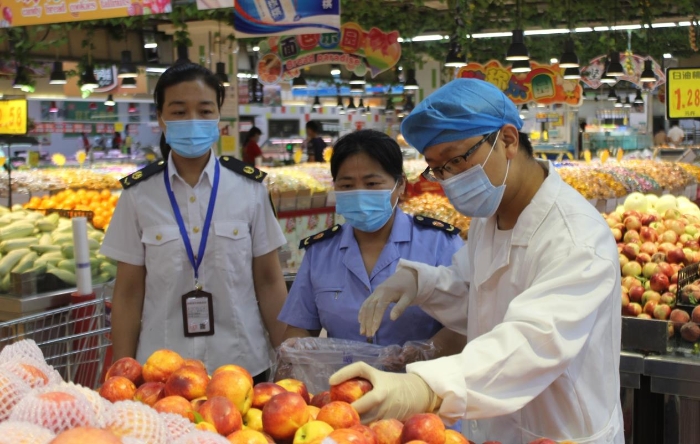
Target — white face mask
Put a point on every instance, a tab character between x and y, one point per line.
472	193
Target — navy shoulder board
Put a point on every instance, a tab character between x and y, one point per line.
327	234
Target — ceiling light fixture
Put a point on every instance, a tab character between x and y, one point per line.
299	82
455	57
88	78
357	80
612	96
221	74
335	70
411	83
520	67
572	74
53	108
648	72
109	101
129	83
638	100
569	59
58	76
517	50
317	103
127	67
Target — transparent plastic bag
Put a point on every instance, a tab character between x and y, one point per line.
314	360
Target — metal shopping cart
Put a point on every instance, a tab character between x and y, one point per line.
74	339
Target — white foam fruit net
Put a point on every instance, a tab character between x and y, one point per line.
36	373
55	408
177	425
18	432
133	419
25	348
12	390
99	405
202	437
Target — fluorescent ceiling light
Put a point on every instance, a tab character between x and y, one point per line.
668	55
547	31
601	28
684	23
256	48
553	61
585	29
626	27
156	70
663	25
152	45
489	35
427	38
400	40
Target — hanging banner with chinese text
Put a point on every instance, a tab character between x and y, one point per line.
41	12
257	18
360	51
544	84
632	64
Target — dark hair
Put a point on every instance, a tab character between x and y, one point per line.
184	72
375	144
314	126
254	131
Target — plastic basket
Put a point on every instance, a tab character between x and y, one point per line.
686	276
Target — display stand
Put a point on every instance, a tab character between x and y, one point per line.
9	141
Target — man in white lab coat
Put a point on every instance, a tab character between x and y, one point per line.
536	289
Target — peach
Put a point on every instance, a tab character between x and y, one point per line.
194	363
81	435
247	437
34	376
313	412
221	412
190	382
149	393
205	427
129	368
264	391
160	365
283	415
369	434
426	427
174	404
346	436
253	420
234	386
340	415
196	403
321	399
295	386
418	441
454	437
312	431
48	410
234	368
388	431
118	388
350	390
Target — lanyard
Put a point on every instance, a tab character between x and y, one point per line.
207	222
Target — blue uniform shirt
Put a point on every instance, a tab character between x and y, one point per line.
332	282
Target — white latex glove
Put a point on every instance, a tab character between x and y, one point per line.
401	288
395	395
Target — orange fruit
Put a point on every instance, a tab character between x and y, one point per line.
105	194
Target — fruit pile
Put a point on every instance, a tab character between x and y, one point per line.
62	178
101	203
32	242
173	400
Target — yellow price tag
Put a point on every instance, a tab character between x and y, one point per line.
604	156
327	154
13	116
682	93
620	154
58	159
80	157
2	160
297	156
119	127
587	156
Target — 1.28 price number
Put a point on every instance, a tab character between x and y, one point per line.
687	98
13	117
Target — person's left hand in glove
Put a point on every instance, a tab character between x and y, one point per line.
394	395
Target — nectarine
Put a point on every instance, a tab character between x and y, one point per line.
295	386
264	391
82	435
118	388
388	431
312	431
369	434
340	415
247	437
454	437
426	427
234	368
190	382
175	404
253	420
283	415
149	393
160	365
321	399
221	412
234	386
350	390
129	368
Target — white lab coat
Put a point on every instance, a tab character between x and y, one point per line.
542	317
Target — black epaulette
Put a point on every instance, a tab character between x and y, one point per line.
329	233
242	168
142	174
434	223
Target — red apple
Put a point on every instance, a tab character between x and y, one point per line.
350	390
340	415
222	414
634	309
662	312
649	269
644	316
345	436
668	236
676	256
676	226
426	427
631	251
659	282
666	269
263	392
294	386
189	381
668	299
128	368
369	434
632	269
648	219
651	295
284	414
617	234
631	237
673	288
631	281
629	213
149	393
388	431
643	258
632	223
674	279
649	248
695	317
321	399
118	388
623	260
636	294
625	300
649	307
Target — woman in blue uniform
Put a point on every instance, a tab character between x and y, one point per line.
344	264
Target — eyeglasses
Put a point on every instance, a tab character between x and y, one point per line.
453	165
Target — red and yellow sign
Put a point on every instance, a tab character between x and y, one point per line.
544	84
41	12
683	91
13	117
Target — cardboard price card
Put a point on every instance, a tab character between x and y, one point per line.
683	93
13	117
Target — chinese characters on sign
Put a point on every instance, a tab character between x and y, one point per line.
544	84
683	93
358	50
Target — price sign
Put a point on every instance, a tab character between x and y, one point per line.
13	116
683	93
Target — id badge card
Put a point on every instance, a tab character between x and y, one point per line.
197	314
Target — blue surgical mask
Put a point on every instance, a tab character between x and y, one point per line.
472	193
191	138
366	210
